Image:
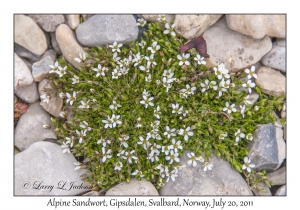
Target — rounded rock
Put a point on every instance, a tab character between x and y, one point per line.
28	93
277	56
48	22
23	75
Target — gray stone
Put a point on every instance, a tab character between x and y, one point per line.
55	103
41	68
277	177
73	21
277	122
85	17
100	30
134	187
55	44
279	134
23	75
24	53
192	26
44	163
221	180
281	191
91	193
29	65
262	190
276	57
29	35
258	26
28	93
48	22
265	150
283	111
253	97
235	50
30	129
69	45
270	81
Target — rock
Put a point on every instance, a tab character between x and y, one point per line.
28	93
30	129
23	75
134	187
258	26
68	44
100	30
277	122
264	150
270	81
277	177
24	53
73	21
276	57
41	68
192	26
154	18
54	43
91	193
55	103
85	17
221	180
29	35
48	22
283	111
28	64
44	166
235	50
253	97
279	134
16	150
262	190
281	191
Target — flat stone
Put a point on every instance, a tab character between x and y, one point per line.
48	22
221	180
277	177
264	149
43	166
55	103
73	21
235	50
30	129
22	75
69	45
29	35
28	93
24	53
262	190
100	30
192	26
270	81
55	44
258	26
277	56
41	68
281	191
134	187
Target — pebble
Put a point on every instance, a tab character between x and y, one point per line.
22	76
276	57
29	128
48	22
46	170
41	68
277	177
29	35
55	44
28	93
281	191
73	21
270	81
258	26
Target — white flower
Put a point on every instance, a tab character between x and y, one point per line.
62	95
65	147
153	156
175	145
123	140
170	132
78	165
115	120
81	58
167	83
146	69
54	68
218	71
172	175
249	85
84	105
251	73
243	109
143	44
75	79
115	57
115	47
85	126
186	133
165	149
106	155
157	112
168	73
63	114
45	98
141	22
148	78
183	59
145	93
189	90
155	148
118	166
147	101
114	105
247	101
137	58
225	73
205	86
221	89
256	108
239	135
137	173
247	164
150	60
100	70
170	29
70	98
200	60
130	156
184	113
103	141
249	136
116	73
225	84
139	125
61	71
193	159
176	109
108	122
208	166
70	141
161	18
173	156
230	108
154	47
222	135
144	142
81	134
213	85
